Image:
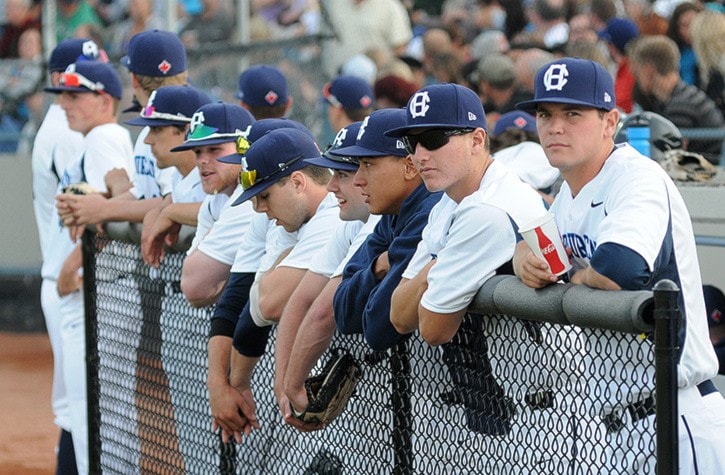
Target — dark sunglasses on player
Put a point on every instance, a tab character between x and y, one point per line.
432	139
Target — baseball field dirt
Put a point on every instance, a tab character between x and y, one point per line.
27	433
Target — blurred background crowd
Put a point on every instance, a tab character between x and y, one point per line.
493	46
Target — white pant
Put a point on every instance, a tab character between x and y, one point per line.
73	337
50	302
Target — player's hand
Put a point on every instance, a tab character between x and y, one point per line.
532	271
157	228
233	411
300	404
86	209
69	282
382	266
117	181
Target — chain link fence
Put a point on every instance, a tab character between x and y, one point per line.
506	395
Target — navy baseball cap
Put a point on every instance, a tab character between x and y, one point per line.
619	32
89	76
155	53
258	129
715	305
371	138
345	137
262	85
73	50
216	123
349	92
275	155
573	81
171	105
442	106
519	120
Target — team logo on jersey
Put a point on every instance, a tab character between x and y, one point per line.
339	138
271	97
90	49
555	78
419	104
363	126
164	66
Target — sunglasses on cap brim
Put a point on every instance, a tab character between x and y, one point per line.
248	178
432	139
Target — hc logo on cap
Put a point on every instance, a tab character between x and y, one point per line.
339	138
555	77
419	104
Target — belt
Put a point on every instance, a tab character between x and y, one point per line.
637	411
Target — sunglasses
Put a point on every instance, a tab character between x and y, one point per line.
79	80
432	139
248	178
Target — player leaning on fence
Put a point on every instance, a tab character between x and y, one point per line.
640	230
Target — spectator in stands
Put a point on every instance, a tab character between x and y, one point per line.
515	143
19	17
141	17
708	40
349	99
659	88
263	92
214	24
496	81
360	25
393	92
601	11
73	18
581	29
594	50
488	42
548	18
618	33
679	30
527	64
436	42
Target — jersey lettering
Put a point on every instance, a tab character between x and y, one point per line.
581	246
144	166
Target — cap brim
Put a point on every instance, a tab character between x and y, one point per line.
401	131
234	159
253	191
133	108
59	89
201	143
332	164
143	122
358	151
529	106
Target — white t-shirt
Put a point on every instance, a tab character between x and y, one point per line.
187	189
209	211
107	147
471	240
529	162
56	147
149	181
331	261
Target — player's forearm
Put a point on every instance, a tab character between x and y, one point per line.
219	349
591	278
275	289
203	279
182	213
404	305
242	370
117	209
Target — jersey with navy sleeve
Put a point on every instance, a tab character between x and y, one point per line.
631	225
362	302
150	181
107	147
54	149
472	239
357	241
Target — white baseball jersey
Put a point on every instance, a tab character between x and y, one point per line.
357	240
222	240
187	189
55	148
149	180
529	162
107	146
260	240
209	212
477	231
633	203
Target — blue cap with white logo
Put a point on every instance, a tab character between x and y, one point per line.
346	137
259	128
442	106
89	76
517	120
216	123
73	50
262	85
371	139
155	53
171	105
573	81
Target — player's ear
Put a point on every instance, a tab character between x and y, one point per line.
410	171
298	180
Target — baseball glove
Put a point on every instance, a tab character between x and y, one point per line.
687	166
329	391
80	188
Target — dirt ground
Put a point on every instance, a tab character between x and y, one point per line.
27	433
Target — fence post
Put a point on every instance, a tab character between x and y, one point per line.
667	325
402	409
92	358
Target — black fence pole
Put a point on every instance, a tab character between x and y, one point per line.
667	325
402	409
92	358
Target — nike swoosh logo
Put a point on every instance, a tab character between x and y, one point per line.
594	205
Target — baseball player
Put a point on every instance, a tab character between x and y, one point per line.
263	92
90	92
627	227
55	147
349	99
155	58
